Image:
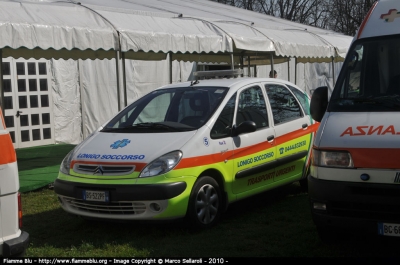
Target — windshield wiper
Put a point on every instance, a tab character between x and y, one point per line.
154	125
143	125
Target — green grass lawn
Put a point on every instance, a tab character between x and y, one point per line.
274	224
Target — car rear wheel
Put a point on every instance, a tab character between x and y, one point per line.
205	205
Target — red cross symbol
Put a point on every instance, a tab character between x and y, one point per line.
391	15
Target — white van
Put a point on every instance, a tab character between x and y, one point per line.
355	173
13	241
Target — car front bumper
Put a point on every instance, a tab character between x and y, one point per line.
126	201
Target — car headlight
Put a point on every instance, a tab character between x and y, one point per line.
161	165
332	159
65	164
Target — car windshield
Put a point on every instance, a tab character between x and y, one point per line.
371	77
169	110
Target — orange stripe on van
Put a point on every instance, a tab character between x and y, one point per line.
8	154
364	22
380	158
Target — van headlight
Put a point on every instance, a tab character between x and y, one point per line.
332	159
161	165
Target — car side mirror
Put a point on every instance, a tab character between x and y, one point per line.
319	102
244	127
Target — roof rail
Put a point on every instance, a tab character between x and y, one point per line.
218	74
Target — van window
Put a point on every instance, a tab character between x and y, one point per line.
370	80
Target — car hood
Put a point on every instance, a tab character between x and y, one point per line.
127	148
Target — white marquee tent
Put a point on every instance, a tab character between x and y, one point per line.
104	54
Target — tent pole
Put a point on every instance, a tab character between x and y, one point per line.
232	62
1	83
333	71
255	70
170	67
295	70
288	69
117	62
83	113
248	66
124	79
272	65
241	63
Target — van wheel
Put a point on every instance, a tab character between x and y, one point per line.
205	203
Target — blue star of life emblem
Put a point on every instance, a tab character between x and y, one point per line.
120	143
281	150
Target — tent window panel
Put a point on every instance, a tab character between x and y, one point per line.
35	119
44	99
7	85
32	85
21	85
6	69
25	136
23	102
46	133
42	69
9	120
8	103
34	101
24	120
36	134
31	68
20	68
46	118
43	84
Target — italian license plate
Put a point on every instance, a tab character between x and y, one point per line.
388	229
98	196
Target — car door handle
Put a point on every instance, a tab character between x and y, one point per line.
305	125
270	138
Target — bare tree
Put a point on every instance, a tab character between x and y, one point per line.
343	16
347	15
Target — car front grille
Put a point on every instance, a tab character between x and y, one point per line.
113	208
104	170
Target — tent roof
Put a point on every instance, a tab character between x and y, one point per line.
150	29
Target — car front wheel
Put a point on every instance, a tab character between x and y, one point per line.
204	207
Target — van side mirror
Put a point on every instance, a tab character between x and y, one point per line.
244	127
319	102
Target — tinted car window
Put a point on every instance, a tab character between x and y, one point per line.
223	125
302	98
284	105
252	107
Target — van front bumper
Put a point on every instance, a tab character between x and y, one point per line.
16	246
353	205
